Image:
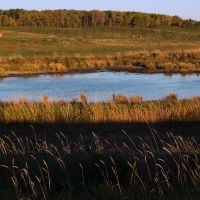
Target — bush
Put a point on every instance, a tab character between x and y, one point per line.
171	97
135	99
120	98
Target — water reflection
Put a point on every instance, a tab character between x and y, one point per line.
99	86
29	76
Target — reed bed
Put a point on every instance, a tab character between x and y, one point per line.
187	60
120	109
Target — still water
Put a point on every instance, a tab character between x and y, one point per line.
99	86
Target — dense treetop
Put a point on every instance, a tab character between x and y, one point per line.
78	19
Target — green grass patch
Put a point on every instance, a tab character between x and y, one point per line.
171	48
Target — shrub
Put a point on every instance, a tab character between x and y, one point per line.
151	65
183	65
120	98
16	59
135	99
2	71
171	97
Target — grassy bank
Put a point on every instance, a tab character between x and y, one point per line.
39	49
121	109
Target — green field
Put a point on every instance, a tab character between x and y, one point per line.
39	41
60	49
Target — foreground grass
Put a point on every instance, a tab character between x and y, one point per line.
39	49
37	169
151	166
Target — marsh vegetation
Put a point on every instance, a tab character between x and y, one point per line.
121	109
150	165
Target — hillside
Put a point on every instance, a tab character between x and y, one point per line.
29	41
20	44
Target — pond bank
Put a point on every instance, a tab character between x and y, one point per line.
131	69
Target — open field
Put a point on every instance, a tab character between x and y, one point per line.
123	149
40	41
58	49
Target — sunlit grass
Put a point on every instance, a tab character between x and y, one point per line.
120	109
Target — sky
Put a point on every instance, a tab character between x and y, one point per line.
183	8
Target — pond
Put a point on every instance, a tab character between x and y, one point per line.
99	86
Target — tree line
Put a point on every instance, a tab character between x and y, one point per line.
77	19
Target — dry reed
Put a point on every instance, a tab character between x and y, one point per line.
119	109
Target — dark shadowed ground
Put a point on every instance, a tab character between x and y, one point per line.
111	132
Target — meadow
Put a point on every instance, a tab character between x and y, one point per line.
121	149
37	49
126	148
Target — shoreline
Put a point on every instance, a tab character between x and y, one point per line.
131	69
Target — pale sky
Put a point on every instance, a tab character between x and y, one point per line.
184	8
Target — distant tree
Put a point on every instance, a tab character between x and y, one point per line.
119	18
141	20
176	21
77	19
11	22
188	23
5	20
128	16
165	20
197	24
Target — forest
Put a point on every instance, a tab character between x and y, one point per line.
77	19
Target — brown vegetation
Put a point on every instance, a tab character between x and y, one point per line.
89	36
1	35
139	61
120	109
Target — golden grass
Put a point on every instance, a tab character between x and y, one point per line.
149	60
121	109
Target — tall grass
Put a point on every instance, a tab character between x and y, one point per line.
187	60
120	109
149	169
152	166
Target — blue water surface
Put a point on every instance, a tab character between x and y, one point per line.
99	86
